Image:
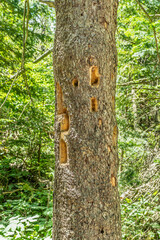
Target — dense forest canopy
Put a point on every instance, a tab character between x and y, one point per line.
27	118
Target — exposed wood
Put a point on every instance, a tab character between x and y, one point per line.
94	76
86	199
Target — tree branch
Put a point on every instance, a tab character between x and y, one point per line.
27	21
17	74
155	15
49	3
143	80
43	55
12	77
27	87
24	36
24	109
22	71
8	93
155	35
153	89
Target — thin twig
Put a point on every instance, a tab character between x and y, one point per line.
9	91
24	36
27	86
148	89
17	74
155	15
43	55
27	21
12	191
143	80
24	109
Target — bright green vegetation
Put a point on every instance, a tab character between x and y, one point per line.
27	115
27	132
138	104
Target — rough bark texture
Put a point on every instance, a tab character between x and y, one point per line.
86	201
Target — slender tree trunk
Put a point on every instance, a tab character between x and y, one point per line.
134	107
86	200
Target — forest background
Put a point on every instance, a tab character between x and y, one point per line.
27	118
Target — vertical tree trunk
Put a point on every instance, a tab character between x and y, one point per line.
134	107
86	200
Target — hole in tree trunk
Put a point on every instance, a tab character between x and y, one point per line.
65	122
113	103
75	82
94	76
99	122
63	152
60	106
113	180
94	105
102	231
115	134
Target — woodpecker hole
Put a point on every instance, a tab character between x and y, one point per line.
65	122
75	82
115	134
113	180
94	105
60	106
109	148
94	76
63	152
113	103
112	76
105	25
99	122
102	231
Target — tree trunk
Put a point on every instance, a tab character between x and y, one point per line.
86	199
134	107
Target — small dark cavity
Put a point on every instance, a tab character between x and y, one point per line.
102	231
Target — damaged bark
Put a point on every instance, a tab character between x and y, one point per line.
86	199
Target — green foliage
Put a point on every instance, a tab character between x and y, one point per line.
139	220
138	118
26	123
27	113
29	216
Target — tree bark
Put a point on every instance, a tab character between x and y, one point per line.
86	199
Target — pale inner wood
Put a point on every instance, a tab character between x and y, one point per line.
94	76
60	106
65	122
63	152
